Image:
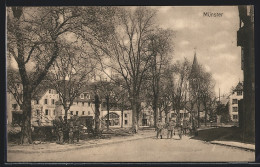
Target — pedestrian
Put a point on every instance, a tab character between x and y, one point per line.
180	128
174	127
170	129
159	128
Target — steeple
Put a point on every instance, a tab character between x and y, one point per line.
195	64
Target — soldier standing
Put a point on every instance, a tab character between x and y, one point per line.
170	129
159	129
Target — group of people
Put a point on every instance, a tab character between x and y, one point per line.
172	127
67	131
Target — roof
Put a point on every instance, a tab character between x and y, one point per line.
239	86
41	89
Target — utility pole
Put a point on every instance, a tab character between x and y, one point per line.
219	95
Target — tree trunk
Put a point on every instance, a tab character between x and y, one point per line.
167	116
135	112
178	116
198	115
160	115
206	113
65	125
26	131
97	114
66	114
107	101
122	117
155	116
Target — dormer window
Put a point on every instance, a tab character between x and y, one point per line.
82	96
88	96
50	91
239	93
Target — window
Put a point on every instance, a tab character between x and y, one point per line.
77	113
235	109
234	101
45	101
52	101
36	101
18	86
71	112
83	112
14	106
185	115
54	112
82	96
125	122
88	103
82	103
234	116
46	112
37	112
125	115
50	91
239	93
172	115
181	115
88	112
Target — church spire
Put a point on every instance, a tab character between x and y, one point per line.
195	63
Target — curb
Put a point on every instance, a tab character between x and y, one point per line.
239	147
75	148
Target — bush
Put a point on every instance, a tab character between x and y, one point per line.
44	133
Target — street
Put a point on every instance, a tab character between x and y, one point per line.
143	150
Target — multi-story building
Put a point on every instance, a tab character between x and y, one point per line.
236	95
43	107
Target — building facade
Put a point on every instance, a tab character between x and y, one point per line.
234	98
43	108
245	39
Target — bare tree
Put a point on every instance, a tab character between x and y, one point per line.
207	95
71	72
181	83
34	36
127	51
160	47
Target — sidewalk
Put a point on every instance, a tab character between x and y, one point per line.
244	146
54	147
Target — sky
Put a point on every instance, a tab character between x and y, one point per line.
215	40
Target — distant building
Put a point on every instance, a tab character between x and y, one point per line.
236	95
